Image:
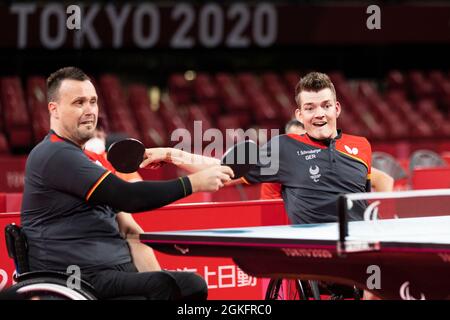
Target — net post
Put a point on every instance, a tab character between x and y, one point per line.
343	224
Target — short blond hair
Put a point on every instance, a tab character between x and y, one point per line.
313	81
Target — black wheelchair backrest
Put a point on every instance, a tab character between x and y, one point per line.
16	244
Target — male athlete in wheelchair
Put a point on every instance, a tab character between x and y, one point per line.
70	207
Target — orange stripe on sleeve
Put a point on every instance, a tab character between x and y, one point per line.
97	184
356	158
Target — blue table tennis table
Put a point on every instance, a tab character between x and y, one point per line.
412	255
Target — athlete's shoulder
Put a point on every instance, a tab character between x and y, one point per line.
352	144
52	146
355	139
356	147
53	141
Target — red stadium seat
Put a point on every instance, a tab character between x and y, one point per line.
198	113
395	80
262	108
16	120
232	96
180	89
419	86
37	104
285	103
151	127
437	77
232	131
170	115
4	147
101	106
207	94
116	106
375	130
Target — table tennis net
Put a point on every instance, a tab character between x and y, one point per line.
392	205
418	216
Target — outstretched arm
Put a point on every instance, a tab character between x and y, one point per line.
190	162
381	181
155	157
147	195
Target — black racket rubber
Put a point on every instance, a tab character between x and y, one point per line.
126	155
241	157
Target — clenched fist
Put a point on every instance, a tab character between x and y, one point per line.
211	179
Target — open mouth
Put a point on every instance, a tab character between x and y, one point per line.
89	122
319	124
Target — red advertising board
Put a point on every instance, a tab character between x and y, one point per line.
431	178
12	171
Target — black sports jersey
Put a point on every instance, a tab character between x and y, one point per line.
313	173
61	226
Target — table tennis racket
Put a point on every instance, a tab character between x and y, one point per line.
241	157
126	155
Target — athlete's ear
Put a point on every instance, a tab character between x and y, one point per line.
298	115
53	109
338	109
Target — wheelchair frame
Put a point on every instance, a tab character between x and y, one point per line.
40	284
298	289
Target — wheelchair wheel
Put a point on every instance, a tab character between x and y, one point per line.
47	288
286	289
341	292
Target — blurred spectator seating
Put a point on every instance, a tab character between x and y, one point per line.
426	159
15	116
387	163
37	104
428	170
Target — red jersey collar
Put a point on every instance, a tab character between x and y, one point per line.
54	137
305	138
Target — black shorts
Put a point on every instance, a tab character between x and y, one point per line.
124	281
